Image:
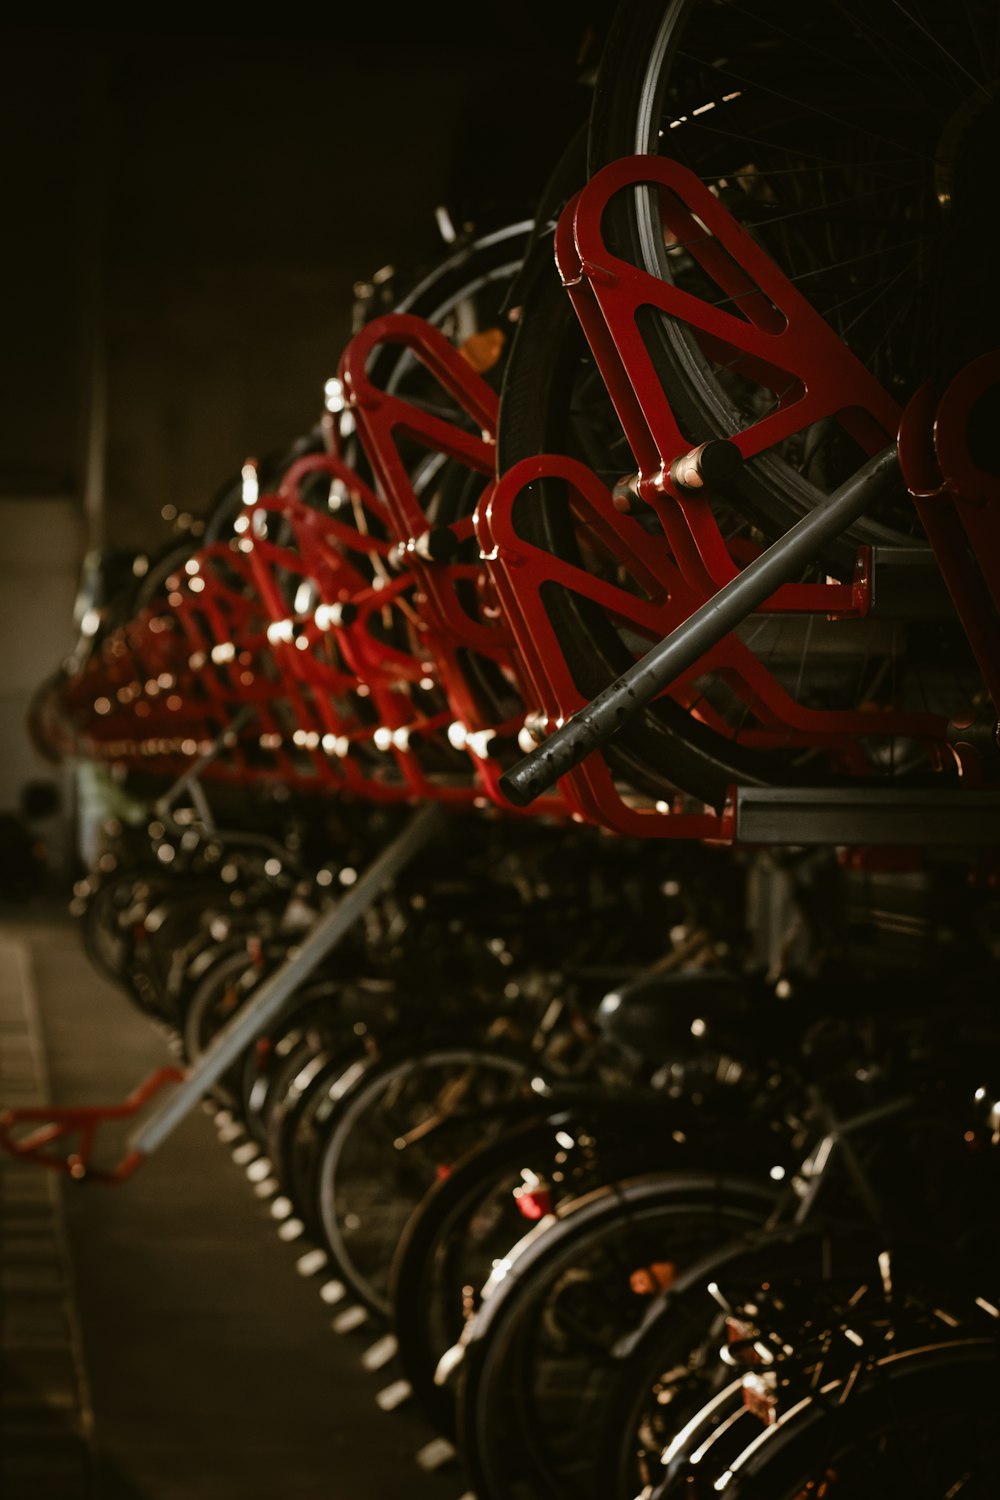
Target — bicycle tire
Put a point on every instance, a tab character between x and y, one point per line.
106	943
442	1217
471	1217
815	1264
511	1447
218	995
663	747
914	1419
666	747
830	135
354	1127
332	1030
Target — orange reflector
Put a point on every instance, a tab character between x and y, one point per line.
482	350
656	1277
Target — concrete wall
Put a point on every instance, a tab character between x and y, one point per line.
39	566
187	212
185	215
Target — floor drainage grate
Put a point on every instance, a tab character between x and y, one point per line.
46	1426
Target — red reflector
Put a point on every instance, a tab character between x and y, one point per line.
533	1204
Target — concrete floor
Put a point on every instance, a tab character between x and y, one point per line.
159	1340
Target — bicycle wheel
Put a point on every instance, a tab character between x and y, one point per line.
712	736
921	1422
674	1416
174	927
271	1066
470	1219
848	140
106	929
463	297
214	1001
464	1221
193	964
336	1028
789	700
122	947
534	1364
404	1118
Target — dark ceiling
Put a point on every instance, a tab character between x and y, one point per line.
190	206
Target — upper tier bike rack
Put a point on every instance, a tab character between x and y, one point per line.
782	343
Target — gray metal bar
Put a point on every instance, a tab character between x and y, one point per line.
871	816
165	802
201	803
595	724
266	1002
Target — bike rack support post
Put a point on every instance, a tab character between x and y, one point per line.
594	725
266	1002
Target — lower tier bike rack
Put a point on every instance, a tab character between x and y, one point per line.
240	1032
83	1123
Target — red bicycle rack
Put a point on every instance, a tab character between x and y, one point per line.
371	649
55	1124
343	630
519	570
460	618
958	502
781	343
165	687
398	643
